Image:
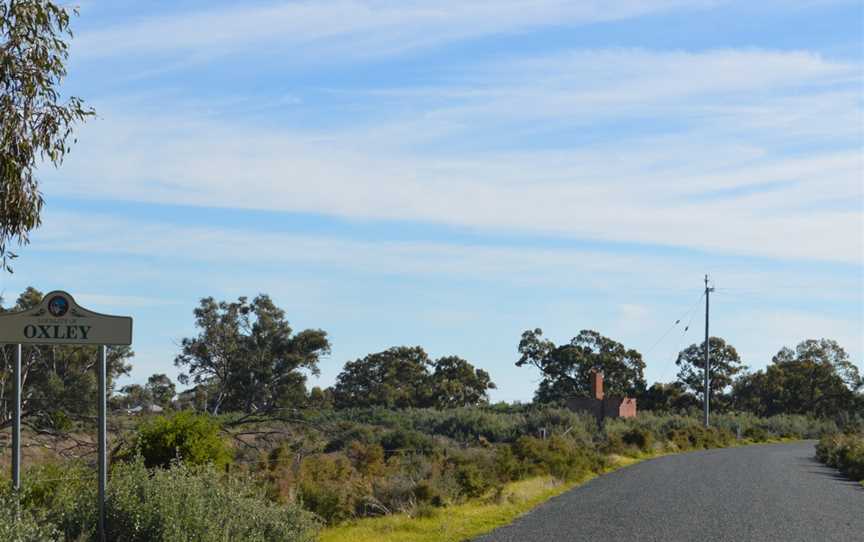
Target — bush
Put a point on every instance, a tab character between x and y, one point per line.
639	438
192	438
405	440
557	456
475	472
188	503
843	452
328	487
64	495
698	437
182	503
23	525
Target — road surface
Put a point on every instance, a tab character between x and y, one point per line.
772	492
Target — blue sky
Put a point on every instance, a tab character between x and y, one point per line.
450	173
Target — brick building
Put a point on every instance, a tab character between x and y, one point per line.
599	405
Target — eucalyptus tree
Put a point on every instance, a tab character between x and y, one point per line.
566	368
405	377
724	365
36	123
248	357
817	377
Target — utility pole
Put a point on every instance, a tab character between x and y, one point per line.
707	389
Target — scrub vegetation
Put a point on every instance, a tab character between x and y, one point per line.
439	474
844	452
402	447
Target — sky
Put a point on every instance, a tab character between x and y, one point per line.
450	174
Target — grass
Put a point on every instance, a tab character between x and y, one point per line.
463	521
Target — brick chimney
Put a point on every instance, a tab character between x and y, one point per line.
597	385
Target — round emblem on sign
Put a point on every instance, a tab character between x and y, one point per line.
58	306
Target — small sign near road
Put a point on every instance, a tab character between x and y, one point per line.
60	320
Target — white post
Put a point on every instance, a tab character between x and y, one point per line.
103	438
16	421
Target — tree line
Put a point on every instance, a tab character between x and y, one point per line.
247	358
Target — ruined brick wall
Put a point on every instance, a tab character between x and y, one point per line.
627	408
586	404
609	407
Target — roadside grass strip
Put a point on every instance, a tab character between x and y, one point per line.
463	521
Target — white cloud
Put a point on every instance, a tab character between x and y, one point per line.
336	28
614	195
579	268
701	123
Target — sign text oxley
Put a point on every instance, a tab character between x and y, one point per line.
59	320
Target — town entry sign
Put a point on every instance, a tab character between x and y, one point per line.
60	320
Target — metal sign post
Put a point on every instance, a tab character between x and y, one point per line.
103	436
16	421
60	320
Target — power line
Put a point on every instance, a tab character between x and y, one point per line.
674	354
677	321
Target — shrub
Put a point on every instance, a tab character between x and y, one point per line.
756	433
475	472
557	456
64	495
188	503
349	433
20	524
843	452
368	459
640	438
192	438
406	440
328	487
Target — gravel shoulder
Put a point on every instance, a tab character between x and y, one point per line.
763	492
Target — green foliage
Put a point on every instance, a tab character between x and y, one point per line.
844	452
467	424
475	471
18	524
816	378
405	377
725	364
566	368
161	390
191	438
328	487
247	356
395	378
35	125
187	503
557	456
666	398
639	438
183	503
455	383
64	496
406	440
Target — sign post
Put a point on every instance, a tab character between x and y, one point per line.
60	320
16	420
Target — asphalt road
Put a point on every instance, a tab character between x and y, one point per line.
772	492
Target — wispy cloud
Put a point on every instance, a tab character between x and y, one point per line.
585	268
643	187
336	28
